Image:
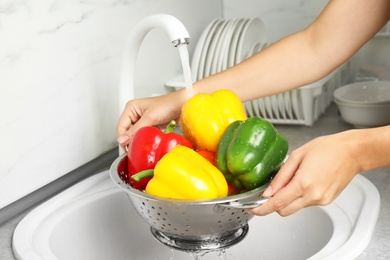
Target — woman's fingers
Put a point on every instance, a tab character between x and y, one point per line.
286	200
283	177
314	174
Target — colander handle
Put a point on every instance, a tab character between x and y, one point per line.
244	204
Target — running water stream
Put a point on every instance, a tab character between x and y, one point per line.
221	254
185	62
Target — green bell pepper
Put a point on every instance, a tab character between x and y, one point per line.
249	152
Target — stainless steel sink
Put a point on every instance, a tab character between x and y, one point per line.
93	220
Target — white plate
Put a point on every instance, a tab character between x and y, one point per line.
255	108
258	48
226	44
216	64
206	46
282	109
248	108
262	109
212	49
252	50
253	32
295	104
176	82
257	104
287	104
199	48
234	41
275	106
265	45
268	107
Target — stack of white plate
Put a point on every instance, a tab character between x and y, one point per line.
224	43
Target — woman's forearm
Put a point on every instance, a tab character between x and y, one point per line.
372	147
271	71
306	56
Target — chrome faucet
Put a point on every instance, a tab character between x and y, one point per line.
176	32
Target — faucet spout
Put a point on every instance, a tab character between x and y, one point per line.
177	33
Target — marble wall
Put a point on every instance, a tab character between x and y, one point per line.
280	17
59	74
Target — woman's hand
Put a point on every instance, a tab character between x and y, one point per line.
314	174
154	111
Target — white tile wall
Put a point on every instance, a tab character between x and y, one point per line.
59	71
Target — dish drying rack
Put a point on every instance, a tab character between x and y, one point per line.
301	106
226	42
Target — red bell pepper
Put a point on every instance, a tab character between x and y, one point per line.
211	157
148	145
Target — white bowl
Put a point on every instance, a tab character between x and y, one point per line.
364	115
364	93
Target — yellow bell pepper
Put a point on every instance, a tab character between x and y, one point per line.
205	117
184	174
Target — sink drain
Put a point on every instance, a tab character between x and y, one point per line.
201	245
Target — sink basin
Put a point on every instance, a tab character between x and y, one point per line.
93	220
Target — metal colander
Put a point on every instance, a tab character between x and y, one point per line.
205	220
